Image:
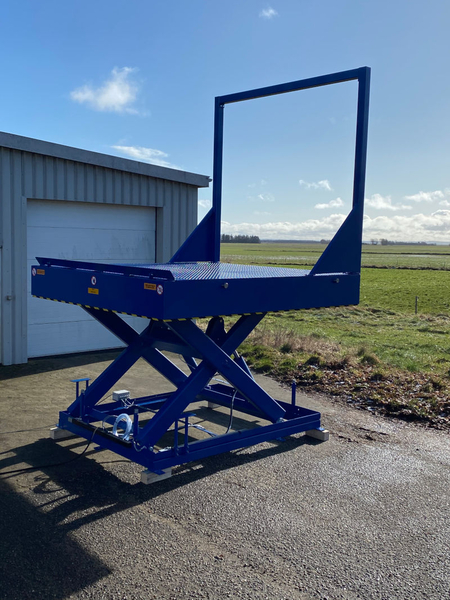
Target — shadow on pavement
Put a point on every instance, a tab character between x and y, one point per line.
37	558
91	492
46	364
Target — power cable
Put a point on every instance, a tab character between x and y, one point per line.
27	430
66	462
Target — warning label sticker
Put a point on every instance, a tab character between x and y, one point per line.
40	271
150	286
93	291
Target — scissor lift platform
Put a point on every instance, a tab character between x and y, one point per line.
190	290
170	296
196	285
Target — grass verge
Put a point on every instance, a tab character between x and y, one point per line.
379	355
370	358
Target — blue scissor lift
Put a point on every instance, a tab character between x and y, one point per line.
195	284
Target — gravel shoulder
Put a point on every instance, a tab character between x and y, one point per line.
364	515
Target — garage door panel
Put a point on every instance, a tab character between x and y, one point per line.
65	338
94	245
77	336
42	311
57	312
111	234
89	215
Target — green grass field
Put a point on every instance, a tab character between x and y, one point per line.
296	254
387	288
383	334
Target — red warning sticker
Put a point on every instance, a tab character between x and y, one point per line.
159	289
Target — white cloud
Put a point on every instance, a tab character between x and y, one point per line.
262	198
332	204
205	204
411	228
261	213
310	229
444	203
426	196
440	213
148	155
380	202
324	184
266	197
268	13
260	184
116	94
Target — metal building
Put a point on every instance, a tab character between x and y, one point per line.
69	203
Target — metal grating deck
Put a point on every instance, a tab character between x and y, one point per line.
209	270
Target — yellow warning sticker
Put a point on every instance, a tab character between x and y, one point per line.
40	271
150	286
93	291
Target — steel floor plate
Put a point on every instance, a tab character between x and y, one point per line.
204	270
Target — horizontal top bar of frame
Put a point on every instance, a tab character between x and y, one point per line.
293	86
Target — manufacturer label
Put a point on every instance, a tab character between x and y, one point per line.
93	291
40	271
150	286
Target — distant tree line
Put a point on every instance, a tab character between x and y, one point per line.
239	239
385	242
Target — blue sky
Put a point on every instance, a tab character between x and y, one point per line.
138	79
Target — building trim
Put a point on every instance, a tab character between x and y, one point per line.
26	144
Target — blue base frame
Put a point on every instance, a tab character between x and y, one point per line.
170	412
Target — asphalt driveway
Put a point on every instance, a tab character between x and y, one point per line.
364	515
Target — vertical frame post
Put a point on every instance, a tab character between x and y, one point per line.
359	180
217	174
362	126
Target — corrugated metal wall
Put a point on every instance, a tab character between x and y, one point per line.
26	175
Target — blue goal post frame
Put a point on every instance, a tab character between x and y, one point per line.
204	242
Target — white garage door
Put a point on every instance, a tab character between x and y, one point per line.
82	231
